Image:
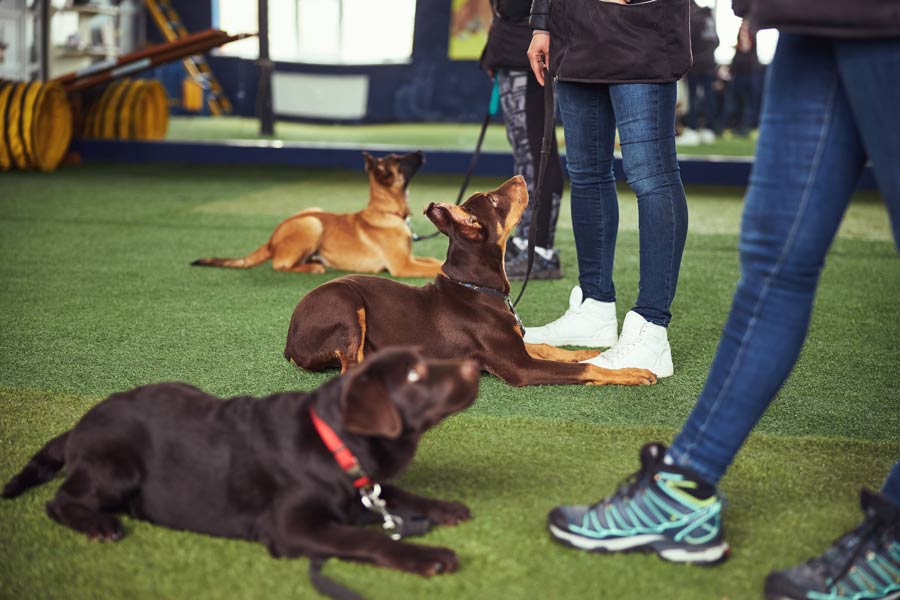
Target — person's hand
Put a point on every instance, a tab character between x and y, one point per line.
539	54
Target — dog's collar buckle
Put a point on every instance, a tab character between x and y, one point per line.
372	500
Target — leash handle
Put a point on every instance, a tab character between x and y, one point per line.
549	132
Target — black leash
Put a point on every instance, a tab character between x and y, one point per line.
410	525
549	132
493	107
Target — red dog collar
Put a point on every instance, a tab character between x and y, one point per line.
341	453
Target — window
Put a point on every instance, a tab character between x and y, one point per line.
325	31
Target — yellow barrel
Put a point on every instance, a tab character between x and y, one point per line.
128	110
36	121
6	88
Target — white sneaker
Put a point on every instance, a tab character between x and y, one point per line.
707	136
688	137
642	345
586	323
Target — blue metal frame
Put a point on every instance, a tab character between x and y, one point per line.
712	170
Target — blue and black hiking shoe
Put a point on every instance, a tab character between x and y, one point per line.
661	508
862	565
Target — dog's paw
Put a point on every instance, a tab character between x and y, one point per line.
583	355
448	513
105	528
637	376
428	561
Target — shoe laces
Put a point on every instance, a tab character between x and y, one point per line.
623	347
651	459
840	558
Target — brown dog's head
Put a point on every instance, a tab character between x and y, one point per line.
478	230
398	392
393	171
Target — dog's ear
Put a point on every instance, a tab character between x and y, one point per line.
370	161
366	404
447	217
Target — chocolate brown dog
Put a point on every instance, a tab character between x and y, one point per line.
369	241
261	469
465	313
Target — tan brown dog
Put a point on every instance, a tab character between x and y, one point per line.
465	313
369	241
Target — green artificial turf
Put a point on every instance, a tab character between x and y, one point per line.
455	136
97	297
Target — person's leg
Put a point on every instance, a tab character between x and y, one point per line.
710	104
645	115
891	487
876	63
513	86
693	101
522	100
590	137
808	161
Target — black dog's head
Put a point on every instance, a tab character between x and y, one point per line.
478	230
399	392
394	171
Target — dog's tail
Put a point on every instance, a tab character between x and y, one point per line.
40	469
257	257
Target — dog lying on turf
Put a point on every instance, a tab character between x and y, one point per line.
465	313
369	241
261	469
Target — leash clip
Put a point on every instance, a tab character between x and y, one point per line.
372	500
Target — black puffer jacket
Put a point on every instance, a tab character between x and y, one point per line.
509	37
828	18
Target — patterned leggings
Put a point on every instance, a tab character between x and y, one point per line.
522	100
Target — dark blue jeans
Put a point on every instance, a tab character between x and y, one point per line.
645	115
741	101
829	105
701	86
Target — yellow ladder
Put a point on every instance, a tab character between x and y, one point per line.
169	23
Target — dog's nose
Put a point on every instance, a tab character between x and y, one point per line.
469	370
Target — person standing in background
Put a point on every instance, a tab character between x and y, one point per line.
743	89
605	85
701	80
522	101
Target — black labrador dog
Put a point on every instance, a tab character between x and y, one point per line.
262	469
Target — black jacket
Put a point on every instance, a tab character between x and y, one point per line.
509	36
828	18
601	42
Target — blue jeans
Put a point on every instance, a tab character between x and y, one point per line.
645	115
702	85
829	105
741	100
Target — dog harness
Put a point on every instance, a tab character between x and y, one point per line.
493	292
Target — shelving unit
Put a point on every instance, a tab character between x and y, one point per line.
48	38
81	34
20	32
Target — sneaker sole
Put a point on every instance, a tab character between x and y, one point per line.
594	342
662	546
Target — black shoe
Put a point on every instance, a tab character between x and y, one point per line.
543	268
863	564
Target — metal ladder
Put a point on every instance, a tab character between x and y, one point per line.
169	23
